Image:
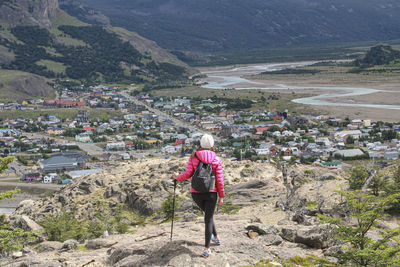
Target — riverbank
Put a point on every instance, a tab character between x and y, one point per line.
333	89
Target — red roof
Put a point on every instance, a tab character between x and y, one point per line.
88	128
66	102
261	129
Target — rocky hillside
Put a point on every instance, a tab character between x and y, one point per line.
255	222
28	13
17	85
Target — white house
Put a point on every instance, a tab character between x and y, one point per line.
355	134
48	179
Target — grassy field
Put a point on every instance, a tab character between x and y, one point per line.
5	33
62	113
4	51
52	65
280	101
63	18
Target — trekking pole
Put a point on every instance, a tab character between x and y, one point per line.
173	208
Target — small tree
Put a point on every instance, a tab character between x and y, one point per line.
63	226
364	213
357	177
167	206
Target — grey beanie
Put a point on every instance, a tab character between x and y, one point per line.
207	141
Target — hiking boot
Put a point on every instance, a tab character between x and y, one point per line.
215	240
206	253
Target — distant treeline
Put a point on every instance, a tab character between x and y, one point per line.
292	71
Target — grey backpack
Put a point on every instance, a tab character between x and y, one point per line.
203	179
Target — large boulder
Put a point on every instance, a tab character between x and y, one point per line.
268	234
141	201
100	243
48	246
312	236
87	187
263	229
25	223
25	207
70	244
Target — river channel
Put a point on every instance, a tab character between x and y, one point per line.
232	77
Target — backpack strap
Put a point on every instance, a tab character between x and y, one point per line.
201	161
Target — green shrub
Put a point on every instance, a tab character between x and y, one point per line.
95	229
12	239
122	227
311	205
64	226
230	208
167	206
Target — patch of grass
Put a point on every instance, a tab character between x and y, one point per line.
229	208
82	247
4	51
62	18
56	67
6	34
311	205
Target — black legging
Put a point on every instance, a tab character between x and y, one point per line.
207	202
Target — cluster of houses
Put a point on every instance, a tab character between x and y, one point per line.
257	134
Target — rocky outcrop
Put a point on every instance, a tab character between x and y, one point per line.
25	223
311	236
28	13
257	232
152	246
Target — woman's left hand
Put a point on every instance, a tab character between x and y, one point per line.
176	175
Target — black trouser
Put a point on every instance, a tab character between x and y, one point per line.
207	202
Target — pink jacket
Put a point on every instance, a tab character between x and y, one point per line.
206	156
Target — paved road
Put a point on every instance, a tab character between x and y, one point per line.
164	115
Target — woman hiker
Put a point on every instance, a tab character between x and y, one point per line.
206	201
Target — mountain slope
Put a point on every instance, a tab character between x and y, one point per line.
37	37
209	25
27	12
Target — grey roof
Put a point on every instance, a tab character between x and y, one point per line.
58	160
